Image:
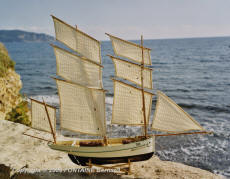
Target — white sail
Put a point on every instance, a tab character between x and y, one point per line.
76	69
39	119
82	109
130	50
170	117
128	105
132	72
77	40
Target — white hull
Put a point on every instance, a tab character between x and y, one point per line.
113	150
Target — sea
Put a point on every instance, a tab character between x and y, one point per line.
194	72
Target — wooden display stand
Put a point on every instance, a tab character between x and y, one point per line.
126	170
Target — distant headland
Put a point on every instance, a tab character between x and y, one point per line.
24	36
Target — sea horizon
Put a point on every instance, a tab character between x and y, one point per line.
105	40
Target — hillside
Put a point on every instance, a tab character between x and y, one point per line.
23	36
5	61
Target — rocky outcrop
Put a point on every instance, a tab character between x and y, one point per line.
25	155
10	84
4	171
12	106
9	92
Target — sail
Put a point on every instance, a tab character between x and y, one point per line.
130	50
77	40
82	109
170	117
127	104
132	72
76	69
39	119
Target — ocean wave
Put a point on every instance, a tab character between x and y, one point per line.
49	99
224	109
54	99
109	100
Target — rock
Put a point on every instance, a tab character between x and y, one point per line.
156	168
9	92
10	97
22	152
4	172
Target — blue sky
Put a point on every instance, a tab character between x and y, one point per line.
125	18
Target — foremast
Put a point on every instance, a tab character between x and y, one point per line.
81	93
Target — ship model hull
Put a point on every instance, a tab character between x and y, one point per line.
118	150
112	160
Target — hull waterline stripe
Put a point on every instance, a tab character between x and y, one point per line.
102	151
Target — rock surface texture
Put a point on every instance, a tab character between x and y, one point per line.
10	85
22	152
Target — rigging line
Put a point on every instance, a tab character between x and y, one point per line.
132	86
77	84
185	133
127	61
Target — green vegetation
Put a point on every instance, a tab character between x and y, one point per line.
5	61
19	114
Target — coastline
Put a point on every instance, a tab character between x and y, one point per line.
22	153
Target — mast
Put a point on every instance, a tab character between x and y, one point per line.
142	87
131	104
104	137
81	93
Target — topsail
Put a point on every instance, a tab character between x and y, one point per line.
77	69
77	40
132	72
130	50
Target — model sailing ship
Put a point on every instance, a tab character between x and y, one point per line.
82	100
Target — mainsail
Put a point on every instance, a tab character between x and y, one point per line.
82	98
39	118
131	105
81	108
128	106
169	117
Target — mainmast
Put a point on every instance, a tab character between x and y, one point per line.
132	104
142	87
